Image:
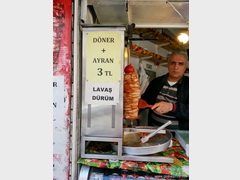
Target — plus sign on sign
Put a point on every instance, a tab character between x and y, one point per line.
103	56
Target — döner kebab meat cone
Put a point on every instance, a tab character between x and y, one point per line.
131	93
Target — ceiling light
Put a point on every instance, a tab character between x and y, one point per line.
183	38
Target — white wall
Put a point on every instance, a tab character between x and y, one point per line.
134	61
147	64
161	51
161	70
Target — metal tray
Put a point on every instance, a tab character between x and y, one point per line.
154	145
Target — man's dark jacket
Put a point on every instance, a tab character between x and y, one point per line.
182	106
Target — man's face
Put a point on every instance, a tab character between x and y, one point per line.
177	65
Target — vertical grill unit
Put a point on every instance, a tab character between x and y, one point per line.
102	87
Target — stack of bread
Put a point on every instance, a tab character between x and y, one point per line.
131	138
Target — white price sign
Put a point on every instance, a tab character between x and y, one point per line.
102	93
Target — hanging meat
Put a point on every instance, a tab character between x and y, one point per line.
131	93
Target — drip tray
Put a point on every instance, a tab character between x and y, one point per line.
158	143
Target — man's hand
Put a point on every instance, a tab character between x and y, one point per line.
162	107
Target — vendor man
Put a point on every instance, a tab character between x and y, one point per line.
169	94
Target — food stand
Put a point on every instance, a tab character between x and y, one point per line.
102	115
97	119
